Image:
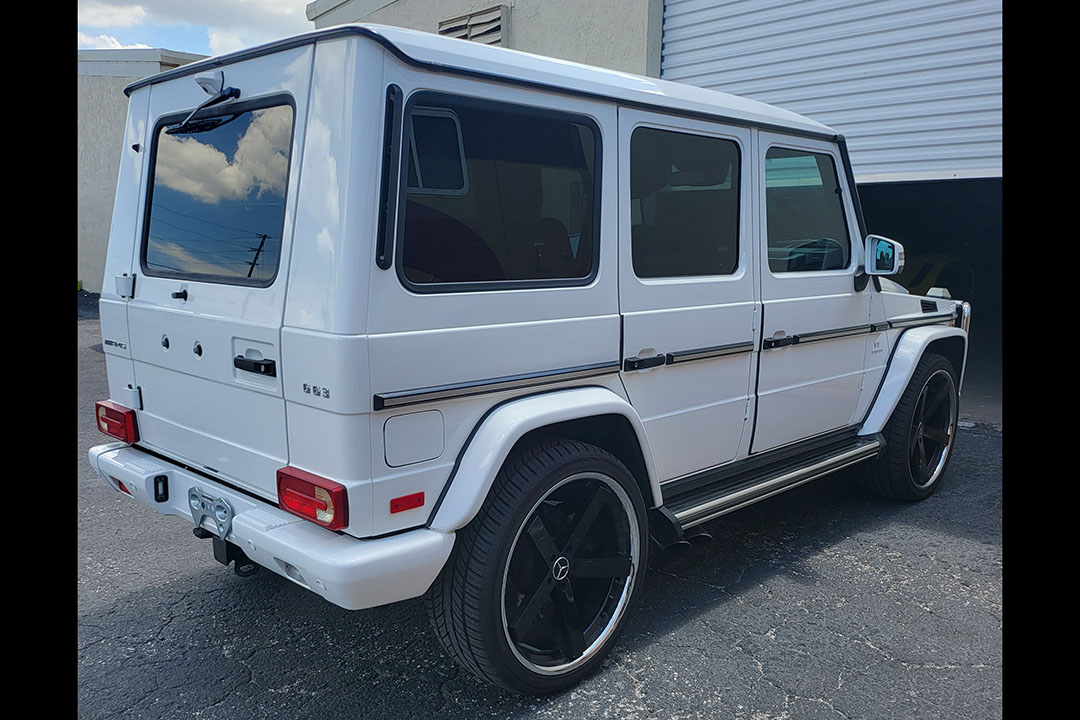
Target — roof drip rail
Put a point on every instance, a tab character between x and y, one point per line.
604	87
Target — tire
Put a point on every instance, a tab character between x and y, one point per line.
920	435
516	603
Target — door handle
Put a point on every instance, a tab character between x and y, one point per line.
635	363
180	295
259	367
770	343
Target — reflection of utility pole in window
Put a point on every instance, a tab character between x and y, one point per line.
257	251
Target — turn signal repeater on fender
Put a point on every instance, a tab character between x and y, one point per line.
323	502
116	421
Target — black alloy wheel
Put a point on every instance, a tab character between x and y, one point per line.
539	584
920	434
570	573
932	427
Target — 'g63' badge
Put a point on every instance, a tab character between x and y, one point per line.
317	391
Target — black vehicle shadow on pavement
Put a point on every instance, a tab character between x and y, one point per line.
803	577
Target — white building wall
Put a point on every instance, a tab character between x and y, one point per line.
101	114
914	85
617	34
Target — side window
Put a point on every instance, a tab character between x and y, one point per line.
684	204
436	137
806	227
498	193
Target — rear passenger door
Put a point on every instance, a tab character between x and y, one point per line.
815	323
686	289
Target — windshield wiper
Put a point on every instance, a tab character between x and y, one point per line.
223	93
203	125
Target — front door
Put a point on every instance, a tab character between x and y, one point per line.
686	285
815	323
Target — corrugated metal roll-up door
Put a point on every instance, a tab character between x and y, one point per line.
915	85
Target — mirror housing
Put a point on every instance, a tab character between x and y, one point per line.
883	256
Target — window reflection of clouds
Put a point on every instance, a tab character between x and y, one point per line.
201	169
218	199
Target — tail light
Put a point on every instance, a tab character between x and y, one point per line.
314	498
116	421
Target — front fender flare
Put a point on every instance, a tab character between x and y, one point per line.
491	443
909	350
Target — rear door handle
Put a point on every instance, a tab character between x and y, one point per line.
770	343
635	363
259	367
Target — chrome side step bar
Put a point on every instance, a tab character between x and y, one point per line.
735	491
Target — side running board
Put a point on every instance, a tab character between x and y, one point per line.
707	495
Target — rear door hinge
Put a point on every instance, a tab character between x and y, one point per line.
132	397
125	285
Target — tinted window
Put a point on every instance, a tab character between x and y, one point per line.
217	204
806	227
684	204
437	142
496	192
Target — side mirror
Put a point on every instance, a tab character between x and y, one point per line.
883	256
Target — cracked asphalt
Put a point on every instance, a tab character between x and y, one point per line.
819	603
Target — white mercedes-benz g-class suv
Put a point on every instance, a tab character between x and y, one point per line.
396	315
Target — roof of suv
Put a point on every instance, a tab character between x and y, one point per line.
444	54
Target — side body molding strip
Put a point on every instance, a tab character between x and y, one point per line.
480	387
927	319
709	352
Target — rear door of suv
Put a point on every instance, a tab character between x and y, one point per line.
687	286
211	260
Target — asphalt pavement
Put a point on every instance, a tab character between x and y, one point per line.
819	603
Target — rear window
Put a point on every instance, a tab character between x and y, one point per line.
217	197
498	194
684	204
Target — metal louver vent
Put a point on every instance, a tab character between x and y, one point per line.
928	306
486	26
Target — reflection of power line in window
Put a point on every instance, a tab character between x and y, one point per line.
209	238
188	230
224	260
209	222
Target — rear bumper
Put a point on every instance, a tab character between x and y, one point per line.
347	571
